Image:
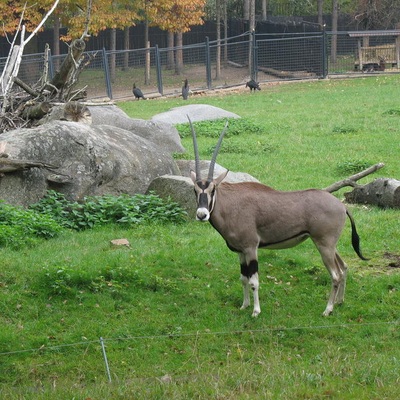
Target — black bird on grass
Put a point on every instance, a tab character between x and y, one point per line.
137	93
253	85
185	90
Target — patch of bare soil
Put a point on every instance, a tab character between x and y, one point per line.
394	259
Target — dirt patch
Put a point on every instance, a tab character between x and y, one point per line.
394	260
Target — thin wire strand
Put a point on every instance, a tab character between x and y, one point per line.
197	334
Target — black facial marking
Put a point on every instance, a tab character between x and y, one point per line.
249	270
203	200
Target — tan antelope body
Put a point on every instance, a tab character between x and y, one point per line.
250	215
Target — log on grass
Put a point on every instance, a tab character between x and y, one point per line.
382	192
36	111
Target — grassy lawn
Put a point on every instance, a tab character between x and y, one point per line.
167	307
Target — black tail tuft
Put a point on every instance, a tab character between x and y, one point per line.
355	239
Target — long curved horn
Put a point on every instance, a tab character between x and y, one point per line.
216	150
196	150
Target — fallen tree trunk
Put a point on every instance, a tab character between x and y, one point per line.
382	192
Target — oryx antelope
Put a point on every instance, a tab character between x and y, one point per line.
250	215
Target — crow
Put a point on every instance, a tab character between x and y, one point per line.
137	93
185	90
253	85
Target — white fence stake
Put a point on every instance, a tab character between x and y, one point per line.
105	359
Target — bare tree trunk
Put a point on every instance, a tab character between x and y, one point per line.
113	47
126	48
147	59
218	55
170	53
225	33
335	14
246	10
147	65
179	54
264	10
252	29
56	41
320	4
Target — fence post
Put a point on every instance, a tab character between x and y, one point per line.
50	64
103	349
159	73
107	74
324	54
208	63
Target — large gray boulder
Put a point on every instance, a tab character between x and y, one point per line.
196	112
107	153
87	160
163	134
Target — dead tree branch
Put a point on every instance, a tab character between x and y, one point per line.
13	61
352	180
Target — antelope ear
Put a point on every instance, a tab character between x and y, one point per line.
193	176
221	177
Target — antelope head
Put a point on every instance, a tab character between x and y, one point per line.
205	189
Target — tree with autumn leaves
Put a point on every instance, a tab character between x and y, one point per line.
173	16
176	17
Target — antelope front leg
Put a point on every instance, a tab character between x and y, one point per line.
254	284
246	292
249	278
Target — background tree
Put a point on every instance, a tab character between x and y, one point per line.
377	14
176	17
11	11
113	15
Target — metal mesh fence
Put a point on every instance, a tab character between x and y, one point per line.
229	62
291	57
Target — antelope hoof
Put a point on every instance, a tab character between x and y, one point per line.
255	313
327	312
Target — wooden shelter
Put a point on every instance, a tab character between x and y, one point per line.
367	54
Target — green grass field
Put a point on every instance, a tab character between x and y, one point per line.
167	308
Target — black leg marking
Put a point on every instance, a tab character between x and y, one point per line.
249	270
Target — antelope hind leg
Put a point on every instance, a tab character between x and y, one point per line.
338	277
342	286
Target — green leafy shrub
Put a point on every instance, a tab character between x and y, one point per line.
214	128
68	281
252	147
19	226
392	111
344	130
352	167
101	210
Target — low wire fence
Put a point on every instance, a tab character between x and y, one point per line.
225	63
134	348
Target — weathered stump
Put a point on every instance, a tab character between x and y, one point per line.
382	192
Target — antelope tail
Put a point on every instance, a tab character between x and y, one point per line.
355	239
